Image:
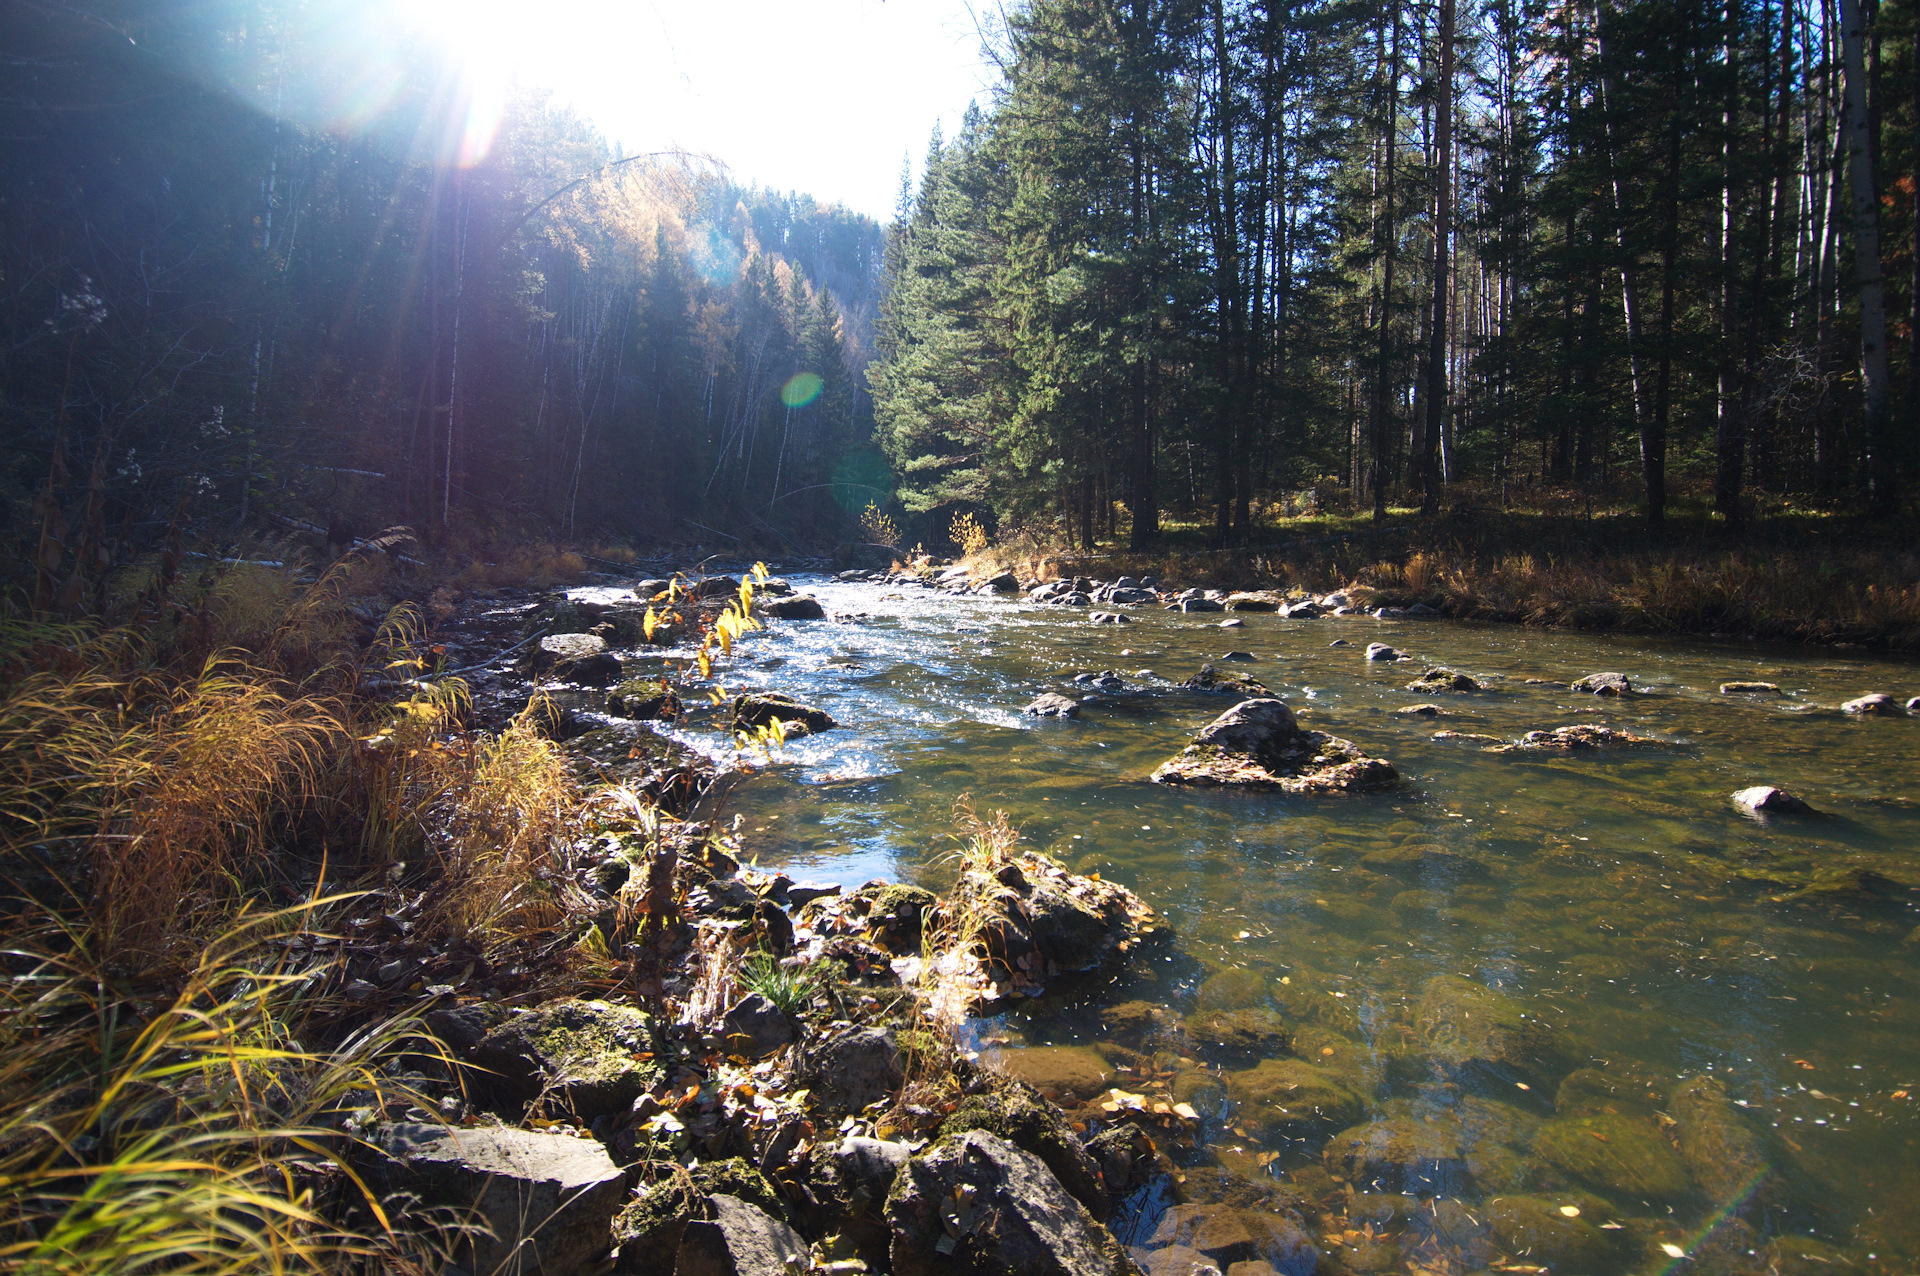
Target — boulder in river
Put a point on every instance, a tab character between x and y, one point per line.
1052	705
577	658
1604	684
1233	623
1721	1151
1238	655
546	1201
1561	1233
976	1205
1875	704
1078	1072
1252	602
1109	618
763	708
1400	1154
1764	799
1291	1098
1422	711
1440	678
1750	688
1104	680
1476	1033
1211	680
1623	1156
644	698
1257	744
1579	738
716	587
1381	651
1201	604
588	1058
1238	1241
798	607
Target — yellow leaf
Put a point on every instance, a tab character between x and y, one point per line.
648	623
705	662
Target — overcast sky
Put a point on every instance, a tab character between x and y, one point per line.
820	96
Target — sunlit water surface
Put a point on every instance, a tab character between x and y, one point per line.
1623	896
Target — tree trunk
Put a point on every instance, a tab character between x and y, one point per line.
1442	247
1384	356
1866	262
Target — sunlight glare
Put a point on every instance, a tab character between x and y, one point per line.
481	40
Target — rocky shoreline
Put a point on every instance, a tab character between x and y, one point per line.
775	1083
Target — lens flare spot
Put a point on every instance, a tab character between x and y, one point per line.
801	389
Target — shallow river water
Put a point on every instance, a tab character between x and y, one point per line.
1618	896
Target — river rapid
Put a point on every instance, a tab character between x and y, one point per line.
1619	897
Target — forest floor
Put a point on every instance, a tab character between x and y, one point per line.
1804	577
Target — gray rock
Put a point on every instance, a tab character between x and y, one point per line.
1210	680
646	589
1201	604
739	1240
1390	613
1233	624
1380	651
461	1028
1440	678
849	1068
547	1199
1764	799
755	1027
1258	744
716	587
1302	611
1105	680
578	658
761	708
1421	609
579	1055
799	607
1051	705
775	587
1913	705
1422	711
873	1162
1875	704
1131	596
1074	599
1239	655
1110	618
1750	688
1604	684
975	1205
1004	583
800	894
1339	642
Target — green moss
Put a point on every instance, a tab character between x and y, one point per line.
1615	1154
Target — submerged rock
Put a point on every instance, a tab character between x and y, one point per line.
583	1056
1750	688
1291	1098
1476	1033
1211	680
1201	604
1400	1154
1579	738
643	698
1052	705
1623	1155
1440	678
1604	684
1422	711
1258	744
546	1202
1723	1154
1077	1072
1764	799
763	708
1874	705
1240	1038
1540	1230
976	1205
1238	1240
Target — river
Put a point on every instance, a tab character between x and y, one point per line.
1619	896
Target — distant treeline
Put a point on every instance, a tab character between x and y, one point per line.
251	277
1197	255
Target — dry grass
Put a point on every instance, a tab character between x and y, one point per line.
531	566
188	1138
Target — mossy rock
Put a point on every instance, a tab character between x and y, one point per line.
1017	1113
1620	1155
653	1223
1235	989
1441	678
762	708
1205	1091
895	912
643	698
1538	1230
1720	1150
1426	863
584	1056
1400	1154
1240	1038
1477	1033
1075	1071
1139	1025
1214	682
1591	1092
1286	1098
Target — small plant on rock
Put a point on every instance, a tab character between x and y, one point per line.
790	988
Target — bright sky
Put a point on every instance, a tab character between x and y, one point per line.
816	96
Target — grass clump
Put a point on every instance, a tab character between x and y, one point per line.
790	988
